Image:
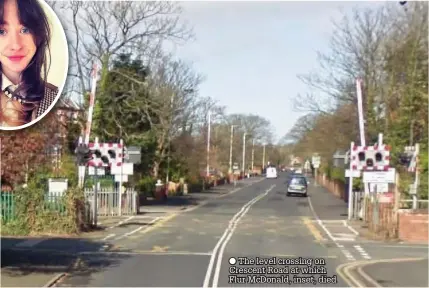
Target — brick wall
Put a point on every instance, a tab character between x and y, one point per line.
334	186
413	225
380	218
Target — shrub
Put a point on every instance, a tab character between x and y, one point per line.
195	183
146	186
36	213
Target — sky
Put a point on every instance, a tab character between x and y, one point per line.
251	52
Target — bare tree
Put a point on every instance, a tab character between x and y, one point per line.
173	87
355	51
99	30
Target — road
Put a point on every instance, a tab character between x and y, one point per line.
193	249
232	239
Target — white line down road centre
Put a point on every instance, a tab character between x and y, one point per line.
223	241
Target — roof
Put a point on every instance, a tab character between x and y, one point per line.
69	104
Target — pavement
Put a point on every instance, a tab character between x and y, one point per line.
251	234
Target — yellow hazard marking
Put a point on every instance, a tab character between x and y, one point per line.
313	230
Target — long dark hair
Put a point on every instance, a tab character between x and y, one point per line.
32	16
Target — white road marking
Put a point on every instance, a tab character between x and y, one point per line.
350	228
426	247
137	229
137	252
345	235
232	229
346	253
221	244
362	252
221	196
121	222
108	236
103	248
344	239
30	243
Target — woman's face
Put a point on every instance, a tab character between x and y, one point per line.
17	46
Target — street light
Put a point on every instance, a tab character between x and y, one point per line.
263	157
244	152
208	143
230	148
253	152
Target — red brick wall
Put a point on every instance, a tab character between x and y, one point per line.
335	187
385	226
413	226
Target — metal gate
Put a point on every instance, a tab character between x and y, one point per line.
108	201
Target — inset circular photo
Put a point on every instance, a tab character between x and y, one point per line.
34	62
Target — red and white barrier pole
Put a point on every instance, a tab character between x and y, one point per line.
89	120
91	103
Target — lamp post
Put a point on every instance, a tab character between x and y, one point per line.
263	157
244	153
230	149
208	144
253	152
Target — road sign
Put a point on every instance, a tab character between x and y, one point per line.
379	176
385	197
352	173
379	187
307	165
315	160
125	169
118	178
100	171
133	154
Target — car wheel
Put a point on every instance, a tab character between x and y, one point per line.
304	195
287	194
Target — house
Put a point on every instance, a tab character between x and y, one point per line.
67	111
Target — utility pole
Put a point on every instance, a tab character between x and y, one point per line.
167	178
230	149
253	152
208	144
263	157
244	152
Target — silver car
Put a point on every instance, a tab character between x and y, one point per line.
297	185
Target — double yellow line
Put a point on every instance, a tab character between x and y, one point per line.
345	271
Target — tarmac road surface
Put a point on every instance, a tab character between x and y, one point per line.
254	236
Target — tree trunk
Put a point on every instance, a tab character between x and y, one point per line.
160	153
155	169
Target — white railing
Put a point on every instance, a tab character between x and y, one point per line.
408	204
108	201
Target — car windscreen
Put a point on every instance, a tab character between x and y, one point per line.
298	181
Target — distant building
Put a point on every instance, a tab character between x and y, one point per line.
67	111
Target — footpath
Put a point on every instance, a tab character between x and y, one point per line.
331	215
401	273
386	273
41	261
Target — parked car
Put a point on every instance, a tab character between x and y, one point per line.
297	185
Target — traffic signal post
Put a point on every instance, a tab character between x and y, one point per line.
315	161
99	155
374	161
412	153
